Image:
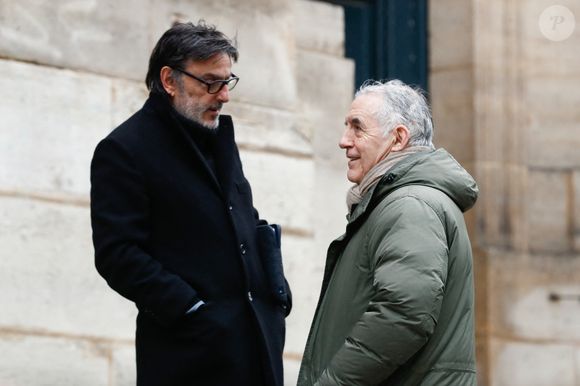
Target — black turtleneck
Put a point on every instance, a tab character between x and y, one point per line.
203	137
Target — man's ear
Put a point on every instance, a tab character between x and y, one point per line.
401	137
168	80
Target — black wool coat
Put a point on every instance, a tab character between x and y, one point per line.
169	232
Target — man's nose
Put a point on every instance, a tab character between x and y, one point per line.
223	95
345	141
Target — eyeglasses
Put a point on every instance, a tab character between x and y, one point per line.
214	86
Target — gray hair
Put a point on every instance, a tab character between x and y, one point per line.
402	105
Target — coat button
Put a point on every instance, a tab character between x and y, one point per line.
243	249
230	208
250	298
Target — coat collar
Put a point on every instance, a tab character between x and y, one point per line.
225	153
225	148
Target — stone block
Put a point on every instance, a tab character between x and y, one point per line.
291	370
127	98
52	120
319	27
577	363
49	361
450	21
266	65
106	37
230	7
329	192
553	144
548	211
304	274
533	315
453	115
481	359
498	95
481	281
325	84
266	128
490	32
553	118
265	41
527	364
576	205
48	281
123	368
281	187
519	297
542	56
501	206
325	89
500	113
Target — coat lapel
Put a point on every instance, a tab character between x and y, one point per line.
200	159
225	152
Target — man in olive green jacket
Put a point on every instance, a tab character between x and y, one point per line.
396	306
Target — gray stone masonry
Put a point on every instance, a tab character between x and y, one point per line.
70	72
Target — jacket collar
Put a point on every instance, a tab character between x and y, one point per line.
438	170
387	182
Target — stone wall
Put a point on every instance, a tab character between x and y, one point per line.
70	71
504	102
508	96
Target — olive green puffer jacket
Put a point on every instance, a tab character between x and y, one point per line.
396	306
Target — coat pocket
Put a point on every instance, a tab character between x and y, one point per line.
243	187
269	242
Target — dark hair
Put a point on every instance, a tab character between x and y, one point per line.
183	42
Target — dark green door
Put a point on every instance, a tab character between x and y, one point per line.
387	39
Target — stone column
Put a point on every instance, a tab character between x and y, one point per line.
522	111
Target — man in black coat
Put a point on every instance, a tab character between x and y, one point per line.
175	230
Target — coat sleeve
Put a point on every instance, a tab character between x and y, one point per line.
120	219
409	261
288	291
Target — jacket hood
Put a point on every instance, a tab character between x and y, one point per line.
437	169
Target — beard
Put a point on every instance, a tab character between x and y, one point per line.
194	111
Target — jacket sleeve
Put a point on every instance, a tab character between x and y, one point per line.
120	218
409	260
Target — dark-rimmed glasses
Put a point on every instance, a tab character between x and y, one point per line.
214	86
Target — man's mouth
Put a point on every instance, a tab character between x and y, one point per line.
215	108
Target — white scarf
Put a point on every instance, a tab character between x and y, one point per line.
373	176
